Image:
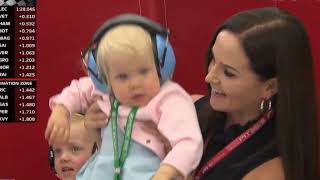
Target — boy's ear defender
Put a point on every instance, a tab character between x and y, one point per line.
163	52
51	156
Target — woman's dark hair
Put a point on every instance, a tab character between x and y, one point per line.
277	46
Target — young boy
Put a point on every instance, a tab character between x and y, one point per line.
69	157
126	59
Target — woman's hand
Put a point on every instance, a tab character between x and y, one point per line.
167	172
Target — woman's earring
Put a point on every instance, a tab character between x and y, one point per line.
262	106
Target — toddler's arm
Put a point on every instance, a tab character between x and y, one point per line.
179	124
78	96
73	99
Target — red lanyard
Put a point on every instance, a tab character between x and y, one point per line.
233	145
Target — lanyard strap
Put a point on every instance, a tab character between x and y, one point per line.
233	145
119	160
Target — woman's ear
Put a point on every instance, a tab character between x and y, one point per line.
271	88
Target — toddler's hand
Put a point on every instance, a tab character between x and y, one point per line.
58	126
95	118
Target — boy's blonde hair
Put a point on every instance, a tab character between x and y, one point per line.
126	39
80	118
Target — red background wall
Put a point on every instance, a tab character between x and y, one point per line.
65	27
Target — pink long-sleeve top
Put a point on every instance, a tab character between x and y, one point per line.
172	110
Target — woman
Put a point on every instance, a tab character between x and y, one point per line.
253	63
259	121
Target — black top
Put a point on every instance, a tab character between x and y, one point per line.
257	150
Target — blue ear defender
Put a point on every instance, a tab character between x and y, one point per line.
166	58
95	75
163	51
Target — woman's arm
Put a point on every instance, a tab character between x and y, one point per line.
271	169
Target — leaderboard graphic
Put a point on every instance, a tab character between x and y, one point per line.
18	78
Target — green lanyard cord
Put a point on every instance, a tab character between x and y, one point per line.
118	162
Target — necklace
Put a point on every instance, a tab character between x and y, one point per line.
232	145
119	160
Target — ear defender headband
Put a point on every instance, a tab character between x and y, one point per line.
163	53
51	156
